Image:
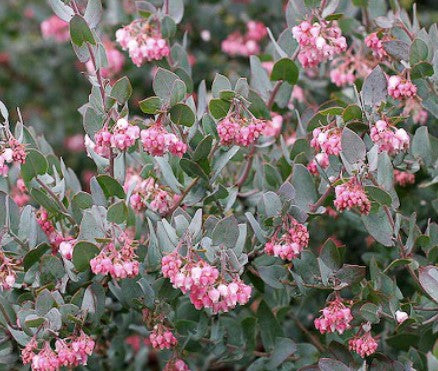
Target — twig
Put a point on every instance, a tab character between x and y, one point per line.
247	168
274	94
183	196
321	200
58	202
313	339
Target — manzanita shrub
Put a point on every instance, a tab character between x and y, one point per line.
281	220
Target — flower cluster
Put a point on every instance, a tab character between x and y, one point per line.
7	273
335	317
389	138
55	28
69	352
176	365
364	345
373	42
11	151
144	42
352	195
290	244
318	42
327	139
273	126
413	108
240	131
401	88
346	69
320	159
203	283
117	262
147	193
162	338
20	194
403	178
54	237
157	141
115	61
121	136
237	44
66	248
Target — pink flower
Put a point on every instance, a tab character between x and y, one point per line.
234	130
75	143
237	44
161	338
335	317
55	28
122	136
115	61
117	262
143	41
364	345
352	195
403	178
318	42
176	365
274	126
289	245
373	42
388	138
66	248
201	280
327	140
400	88
157	141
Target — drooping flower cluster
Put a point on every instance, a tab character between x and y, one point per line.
413	108
206	288
401	88
288	245
162	338
345	70
66	248
389	138
54	237
157	141
176	365
318	42
373	42
403	178
20	194
11	151
320	159
364	345
121	136
69	352
335	317
144	42
7	273
240	131
55	28
351	195
115	61
327	139
148	193
116	258
273	126
248	44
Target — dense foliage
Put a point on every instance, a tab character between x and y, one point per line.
253	190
